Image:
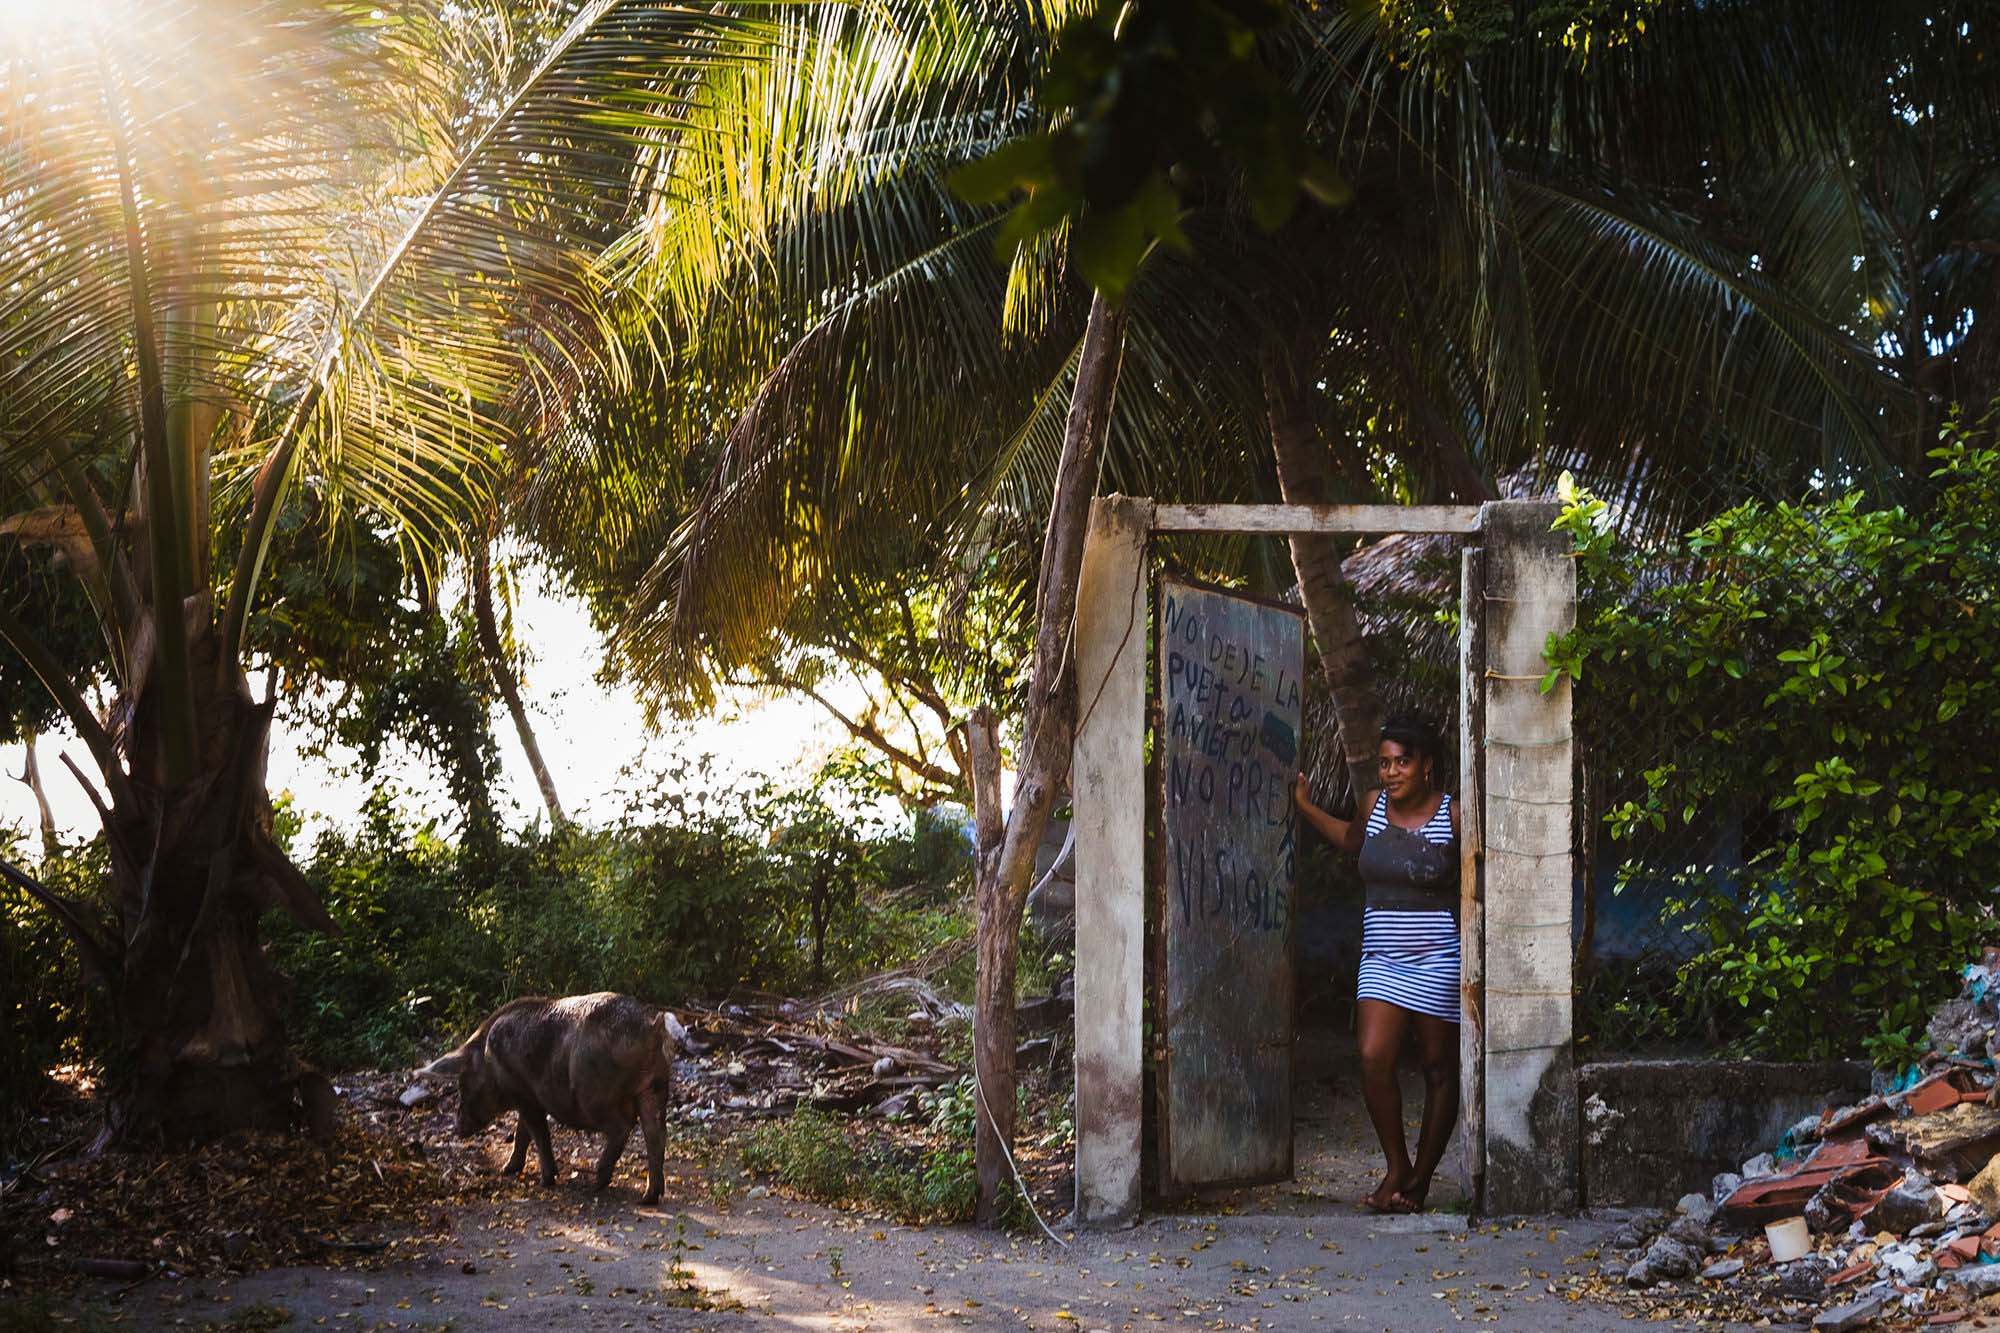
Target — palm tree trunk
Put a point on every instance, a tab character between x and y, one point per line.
1005	851
1303	478
504	678
195	865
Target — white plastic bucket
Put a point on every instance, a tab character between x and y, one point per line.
1789	1239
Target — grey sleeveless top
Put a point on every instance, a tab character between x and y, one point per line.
1410	870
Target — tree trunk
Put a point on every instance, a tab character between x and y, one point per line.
195	865
1303	468
198	1010
993	997
31	774
1005	850
504	680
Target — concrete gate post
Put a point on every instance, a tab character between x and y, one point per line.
1527	1129
1107	783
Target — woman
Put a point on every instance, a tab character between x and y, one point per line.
1406	832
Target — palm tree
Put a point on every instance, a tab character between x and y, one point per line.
250	253
1499	296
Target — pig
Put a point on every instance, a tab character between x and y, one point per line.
594	1062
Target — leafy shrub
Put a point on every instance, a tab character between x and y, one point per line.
810	1153
52	1012
1827	676
683	899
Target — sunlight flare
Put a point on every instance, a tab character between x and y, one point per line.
41	18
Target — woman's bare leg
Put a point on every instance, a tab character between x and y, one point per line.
1380	1027
1437	1040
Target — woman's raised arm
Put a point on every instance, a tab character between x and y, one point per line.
1345	834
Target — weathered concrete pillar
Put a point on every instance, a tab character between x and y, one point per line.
1108	782
1471	890
1529	1118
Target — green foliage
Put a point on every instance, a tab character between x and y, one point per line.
811	1153
953	1109
1450	30
1145	99
38	594
808	1152
685	897
427	692
1825	676
52	1012
1896	1050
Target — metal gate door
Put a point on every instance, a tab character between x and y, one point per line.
1225	751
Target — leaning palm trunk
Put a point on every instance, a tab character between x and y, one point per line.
1303	468
1005	851
504	678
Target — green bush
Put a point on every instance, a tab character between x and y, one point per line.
809	1152
684	899
52	1012
1828	677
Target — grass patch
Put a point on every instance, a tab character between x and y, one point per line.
812	1154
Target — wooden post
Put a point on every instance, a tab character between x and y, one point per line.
1528	1119
1108	784
1471	896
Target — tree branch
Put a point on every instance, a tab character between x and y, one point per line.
31	777
487	632
1050	723
1302	479
982	743
869	733
920	685
70	700
98	958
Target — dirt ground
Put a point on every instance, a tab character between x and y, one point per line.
1336	1159
725	1251
576	1263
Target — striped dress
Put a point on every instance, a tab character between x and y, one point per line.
1411	958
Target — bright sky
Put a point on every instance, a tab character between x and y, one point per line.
588	735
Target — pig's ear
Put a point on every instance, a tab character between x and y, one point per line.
447	1066
675	1032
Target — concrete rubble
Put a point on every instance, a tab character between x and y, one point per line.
1900	1193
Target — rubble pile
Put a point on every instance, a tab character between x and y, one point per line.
1886	1210
766	1059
